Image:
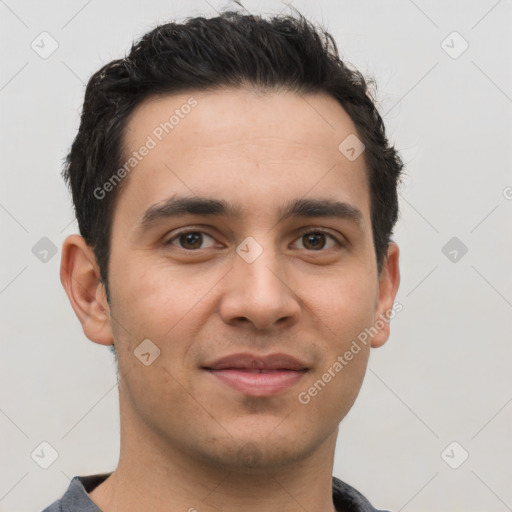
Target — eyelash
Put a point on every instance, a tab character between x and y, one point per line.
306	232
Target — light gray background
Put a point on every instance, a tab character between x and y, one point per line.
443	376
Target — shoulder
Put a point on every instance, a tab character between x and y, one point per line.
345	497
54	507
76	497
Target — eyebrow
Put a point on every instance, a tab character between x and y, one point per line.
181	205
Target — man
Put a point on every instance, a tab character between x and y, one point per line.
236	195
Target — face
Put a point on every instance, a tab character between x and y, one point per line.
279	272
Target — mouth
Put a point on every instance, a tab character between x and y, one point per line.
257	375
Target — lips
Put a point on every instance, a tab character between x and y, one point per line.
257	375
253	362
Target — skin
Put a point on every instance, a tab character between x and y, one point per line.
188	440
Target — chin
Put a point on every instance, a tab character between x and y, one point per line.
256	453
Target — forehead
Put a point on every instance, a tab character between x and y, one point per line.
241	145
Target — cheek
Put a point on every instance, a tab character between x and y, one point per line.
343	309
332	390
145	290
343	304
158	301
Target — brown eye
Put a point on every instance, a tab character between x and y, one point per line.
316	240
190	240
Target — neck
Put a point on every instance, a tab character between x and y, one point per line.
152	475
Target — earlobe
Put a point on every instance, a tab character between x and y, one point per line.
389	281
79	275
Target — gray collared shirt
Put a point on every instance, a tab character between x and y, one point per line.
76	499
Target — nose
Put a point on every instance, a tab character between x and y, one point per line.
259	294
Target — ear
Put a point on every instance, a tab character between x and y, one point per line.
80	277
389	281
